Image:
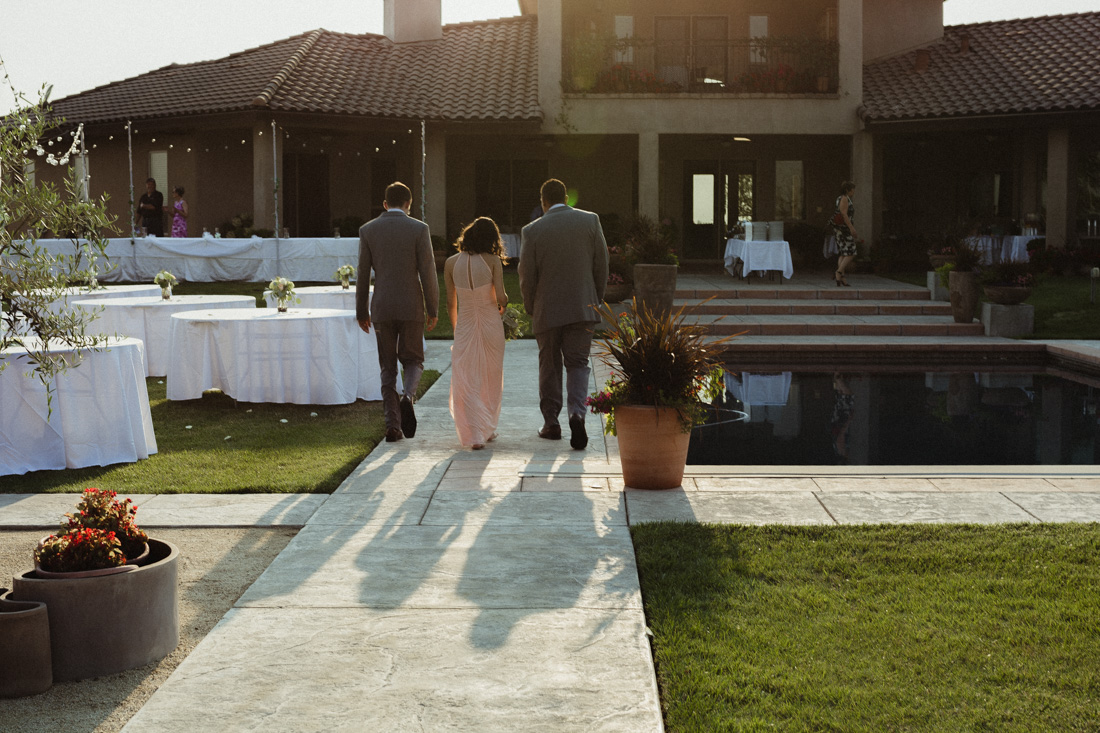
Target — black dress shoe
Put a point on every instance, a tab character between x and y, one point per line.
408	417
393	435
551	432
578	438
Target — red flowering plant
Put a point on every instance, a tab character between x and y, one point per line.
101	532
81	549
658	359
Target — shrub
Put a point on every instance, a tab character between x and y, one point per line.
102	511
81	549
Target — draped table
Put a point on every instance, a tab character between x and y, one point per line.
321	296
759	256
1006	249
209	259
100	412
760	389
148	319
305	356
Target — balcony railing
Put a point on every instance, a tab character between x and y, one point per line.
598	65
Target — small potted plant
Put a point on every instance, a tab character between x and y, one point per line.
664	371
100	535
282	290
962	281
344	273
1008	283
649	249
165	280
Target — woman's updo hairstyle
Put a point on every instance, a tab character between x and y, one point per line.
179	191
846	188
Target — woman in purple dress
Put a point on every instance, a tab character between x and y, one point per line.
179	213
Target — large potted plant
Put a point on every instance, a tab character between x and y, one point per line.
104	623
649	249
962	282
663	372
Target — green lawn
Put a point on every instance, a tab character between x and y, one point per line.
874	628
233	447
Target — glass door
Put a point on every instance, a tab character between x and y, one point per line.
717	194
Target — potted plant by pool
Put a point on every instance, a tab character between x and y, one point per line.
165	280
344	273
664	371
1008	283
649	248
962	282
110	591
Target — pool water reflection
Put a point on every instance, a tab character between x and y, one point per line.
920	418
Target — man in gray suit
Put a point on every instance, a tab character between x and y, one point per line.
405	302
563	274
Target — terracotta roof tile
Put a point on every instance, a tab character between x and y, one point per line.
1048	64
478	71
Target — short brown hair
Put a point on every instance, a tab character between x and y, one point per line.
398	194
553	192
481	237
845	187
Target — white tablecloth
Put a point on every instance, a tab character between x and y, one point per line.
760	389
322	296
511	244
758	256
205	259
304	356
100	412
1007	249
148	319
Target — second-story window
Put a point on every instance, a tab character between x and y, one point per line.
692	50
758	30
624	33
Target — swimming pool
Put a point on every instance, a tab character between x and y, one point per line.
919	418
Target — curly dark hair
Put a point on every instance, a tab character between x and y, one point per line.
481	236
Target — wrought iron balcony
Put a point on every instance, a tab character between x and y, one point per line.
598	65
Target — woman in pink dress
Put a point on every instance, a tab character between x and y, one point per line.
475	300
179	213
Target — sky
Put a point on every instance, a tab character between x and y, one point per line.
76	45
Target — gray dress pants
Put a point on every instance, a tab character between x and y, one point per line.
399	341
569	345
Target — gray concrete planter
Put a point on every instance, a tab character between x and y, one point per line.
25	663
107	624
655	286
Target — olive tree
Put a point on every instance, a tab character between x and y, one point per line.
34	283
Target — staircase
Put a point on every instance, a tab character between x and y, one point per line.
814	306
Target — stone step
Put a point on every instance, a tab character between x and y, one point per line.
771	292
836	325
753	307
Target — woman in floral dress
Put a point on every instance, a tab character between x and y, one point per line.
844	231
179	213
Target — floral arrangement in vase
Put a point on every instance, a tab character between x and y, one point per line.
283	291
344	273
165	280
101	533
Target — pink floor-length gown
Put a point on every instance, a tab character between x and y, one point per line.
477	357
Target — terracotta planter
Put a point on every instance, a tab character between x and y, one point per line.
653	446
1006	294
107	624
963	287
25	662
655	286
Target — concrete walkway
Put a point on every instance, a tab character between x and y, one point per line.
445	589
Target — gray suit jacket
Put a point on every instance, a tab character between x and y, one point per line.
563	268
399	250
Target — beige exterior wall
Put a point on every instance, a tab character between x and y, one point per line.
891	27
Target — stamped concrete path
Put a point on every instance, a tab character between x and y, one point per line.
445	589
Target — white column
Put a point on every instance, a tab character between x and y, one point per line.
1060	188
550	43
435	202
850	38
649	174
868	194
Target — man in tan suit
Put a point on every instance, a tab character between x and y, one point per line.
405	302
563	274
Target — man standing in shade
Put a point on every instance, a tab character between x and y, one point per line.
563	274
404	305
150	208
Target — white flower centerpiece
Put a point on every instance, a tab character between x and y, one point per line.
283	291
344	273
165	280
